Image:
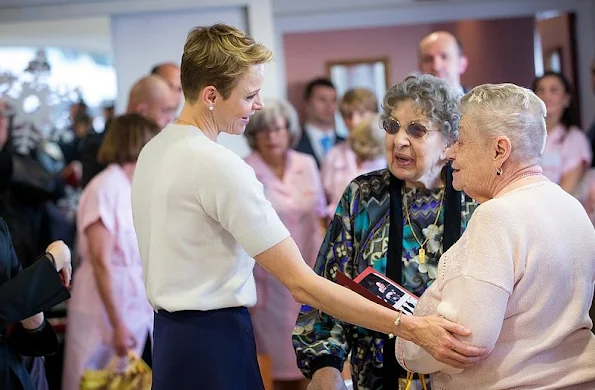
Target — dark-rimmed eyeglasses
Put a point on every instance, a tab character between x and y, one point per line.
414	129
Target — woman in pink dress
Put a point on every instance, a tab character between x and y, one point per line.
291	183
567	152
108	314
363	151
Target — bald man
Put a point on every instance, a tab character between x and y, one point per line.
171	74
441	54
150	97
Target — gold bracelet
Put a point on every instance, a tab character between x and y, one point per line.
397	322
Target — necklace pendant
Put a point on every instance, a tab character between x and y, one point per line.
422	255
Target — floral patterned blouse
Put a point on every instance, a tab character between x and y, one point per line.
356	239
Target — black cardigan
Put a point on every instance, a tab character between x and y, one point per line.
24	293
452	232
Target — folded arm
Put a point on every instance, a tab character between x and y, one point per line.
478	305
34	290
478	278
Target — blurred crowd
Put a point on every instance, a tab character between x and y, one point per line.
304	165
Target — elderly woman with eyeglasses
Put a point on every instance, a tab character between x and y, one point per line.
399	221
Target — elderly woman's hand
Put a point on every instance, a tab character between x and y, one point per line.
435	335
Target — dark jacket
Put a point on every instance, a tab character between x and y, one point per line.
89	150
24	293
305	146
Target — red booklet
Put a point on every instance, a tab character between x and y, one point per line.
378	288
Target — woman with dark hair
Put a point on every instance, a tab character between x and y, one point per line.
567	153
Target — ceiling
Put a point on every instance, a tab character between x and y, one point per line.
29	3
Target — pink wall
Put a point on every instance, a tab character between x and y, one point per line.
498	51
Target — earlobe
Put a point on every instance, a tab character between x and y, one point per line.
209	95
142	109
463	64
444	153
502	149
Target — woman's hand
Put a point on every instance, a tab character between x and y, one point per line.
327	378
433	334
123	340
62	257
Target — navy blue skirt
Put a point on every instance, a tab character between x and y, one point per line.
210	350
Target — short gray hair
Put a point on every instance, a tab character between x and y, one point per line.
266	117
436	98
511	111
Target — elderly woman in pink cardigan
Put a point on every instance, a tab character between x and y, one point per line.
522	275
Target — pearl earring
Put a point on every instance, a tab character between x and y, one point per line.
211	108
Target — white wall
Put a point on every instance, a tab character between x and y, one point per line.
85	33
138	33
142	40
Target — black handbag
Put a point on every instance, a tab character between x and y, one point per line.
28	174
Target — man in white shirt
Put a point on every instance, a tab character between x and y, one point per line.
319	134
441	54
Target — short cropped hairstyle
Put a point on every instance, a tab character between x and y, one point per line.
511	111
125	137
434	97
319	82
265	118
367	138
358	99
218	55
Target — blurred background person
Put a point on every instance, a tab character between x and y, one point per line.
567	152
109	112
81	124
319	134
31	185
364	150
171	74
108	314
291	183
441	54
150	97
5	156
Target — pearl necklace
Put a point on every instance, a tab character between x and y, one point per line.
523	176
